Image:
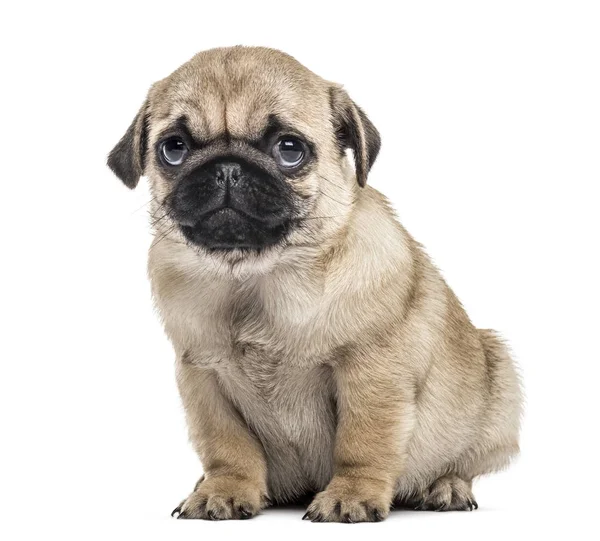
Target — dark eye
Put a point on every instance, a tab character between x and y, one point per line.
289	152
173	150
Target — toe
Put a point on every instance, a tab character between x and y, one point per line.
377	515
244	513
218	508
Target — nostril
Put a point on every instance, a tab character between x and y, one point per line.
229	172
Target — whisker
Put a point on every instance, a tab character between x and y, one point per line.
152	199
334	183
155	222
164	235
318	218
154	218
336	200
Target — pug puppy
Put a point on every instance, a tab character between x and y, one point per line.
319	352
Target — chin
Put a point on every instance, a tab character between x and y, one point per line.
241	259
229	230
242	263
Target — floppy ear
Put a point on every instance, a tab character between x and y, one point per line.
127	159
354	130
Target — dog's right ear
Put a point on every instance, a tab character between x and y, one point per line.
127	159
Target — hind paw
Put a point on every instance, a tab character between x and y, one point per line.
448	493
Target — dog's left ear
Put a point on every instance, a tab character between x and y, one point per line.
127	159
354	130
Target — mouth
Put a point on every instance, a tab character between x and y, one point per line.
228	228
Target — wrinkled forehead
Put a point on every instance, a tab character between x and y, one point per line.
239	101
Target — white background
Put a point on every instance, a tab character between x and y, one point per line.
490	119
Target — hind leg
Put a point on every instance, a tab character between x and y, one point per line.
448	493
453	491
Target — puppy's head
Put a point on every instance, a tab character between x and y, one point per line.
245	150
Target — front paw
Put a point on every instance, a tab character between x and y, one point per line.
222	498
348	499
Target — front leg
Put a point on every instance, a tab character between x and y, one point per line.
375	419
234	485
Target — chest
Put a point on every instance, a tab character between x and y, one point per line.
270	370
258	326
292	411
272	356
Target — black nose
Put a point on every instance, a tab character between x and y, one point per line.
227	173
